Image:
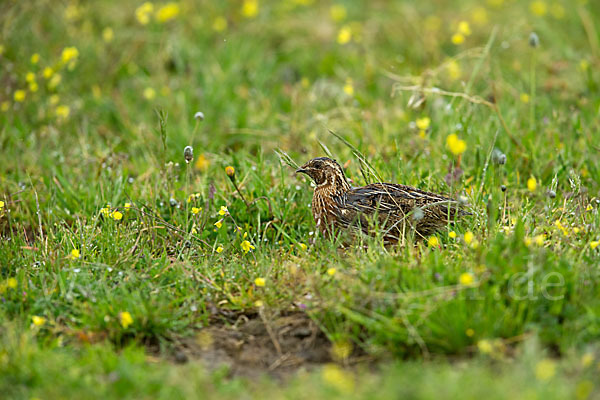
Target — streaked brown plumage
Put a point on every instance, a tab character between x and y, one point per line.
394	209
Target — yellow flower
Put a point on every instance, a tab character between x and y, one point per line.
539	239
336	377
149	93
458	38
20	95
527	241
469	237
62	112
38	321
108	34
341	350
455	145
538	8
466	279
116	215
219	24
258	303
54	81
1	49
337	12
1	204
469	332
202	163
167	12
250	8
75	254
105	211
454	69
127	206
30	77
302	246
247	246
331	271
11	283
485	346
524	98
125	318
223	211
33	87
589	207
464	28
47	72
594	244
545	369
433	241
230	171
196	210
69	54
220	249
423	123
349	87
5	106
260	282
142	13
219	224
452	235
531	184
344	35
584	65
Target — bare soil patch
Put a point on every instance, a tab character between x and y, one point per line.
255	344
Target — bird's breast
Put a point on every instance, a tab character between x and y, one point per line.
323	208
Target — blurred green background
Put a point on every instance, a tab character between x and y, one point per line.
115	253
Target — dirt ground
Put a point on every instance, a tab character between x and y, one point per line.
256	344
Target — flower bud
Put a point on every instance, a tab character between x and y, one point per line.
188	153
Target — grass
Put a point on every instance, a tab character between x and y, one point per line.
116	254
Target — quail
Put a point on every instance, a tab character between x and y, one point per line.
394	209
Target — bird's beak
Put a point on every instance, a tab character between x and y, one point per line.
302	170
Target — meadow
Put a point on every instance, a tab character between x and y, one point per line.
131	270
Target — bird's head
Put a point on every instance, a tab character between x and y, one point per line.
325	171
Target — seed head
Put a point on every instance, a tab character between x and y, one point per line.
498	157
188	153
534	40
199	116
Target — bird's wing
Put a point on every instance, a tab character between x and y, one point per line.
389	198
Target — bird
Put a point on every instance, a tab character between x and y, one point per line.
392	208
